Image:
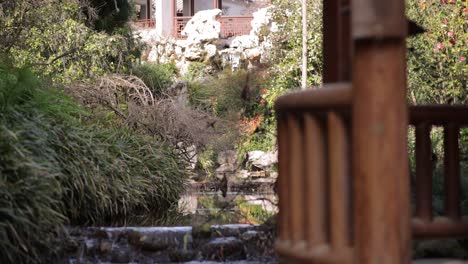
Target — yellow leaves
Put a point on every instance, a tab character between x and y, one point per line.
422	4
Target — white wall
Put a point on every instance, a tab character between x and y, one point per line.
163	17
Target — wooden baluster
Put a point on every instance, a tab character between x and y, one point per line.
296	182
452	172
338	169
315	185
283	181
423	172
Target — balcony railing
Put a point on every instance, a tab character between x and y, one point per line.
144	23
231	26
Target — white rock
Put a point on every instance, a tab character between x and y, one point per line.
260	19
253	54
210	50
261	159
153	56
245	42
203	26
243	174
227	157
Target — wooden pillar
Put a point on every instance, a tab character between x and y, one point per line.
192	7
148	9
337	43
380	169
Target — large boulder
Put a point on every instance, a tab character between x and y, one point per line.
261	18
261	159
203	27
245	42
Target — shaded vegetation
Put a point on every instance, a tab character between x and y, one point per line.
57	168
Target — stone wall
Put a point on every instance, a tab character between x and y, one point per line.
203	43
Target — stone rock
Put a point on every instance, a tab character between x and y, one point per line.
261	159
105	247
211	51
179	92
153	55
249	235
201	231
243	174
227	157
224	248
261	18
253	54
182	255
193	53
71	245
245	42
102	234
160	49
154	243
120	256
133	237
203	27
179	51
224	168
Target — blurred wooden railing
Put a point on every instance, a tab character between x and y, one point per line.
144	23
452	119
231	26
314	183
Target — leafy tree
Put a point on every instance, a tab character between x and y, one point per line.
285	69
437	59
113	14
53	38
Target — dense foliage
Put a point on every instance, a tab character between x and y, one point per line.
437	59
58	165
286	61
54	38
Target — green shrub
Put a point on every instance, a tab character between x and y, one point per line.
56	169
196	71
158	77
230	94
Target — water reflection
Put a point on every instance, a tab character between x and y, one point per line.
243	206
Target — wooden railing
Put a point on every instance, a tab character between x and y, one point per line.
314	176
144	23
451	224
230	26
179	25
316	219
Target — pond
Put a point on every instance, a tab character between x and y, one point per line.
243	203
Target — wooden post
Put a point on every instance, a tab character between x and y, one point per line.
337	44
149	8
304	45
380	169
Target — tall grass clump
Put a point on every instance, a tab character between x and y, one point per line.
56	168
158	77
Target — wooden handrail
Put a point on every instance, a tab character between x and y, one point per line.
334	94
439	114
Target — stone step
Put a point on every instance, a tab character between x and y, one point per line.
205	244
